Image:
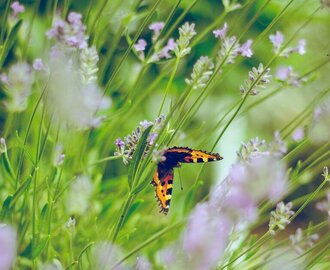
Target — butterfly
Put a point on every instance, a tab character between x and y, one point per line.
163	177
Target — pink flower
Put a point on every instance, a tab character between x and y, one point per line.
140	46
221	33
17	8
245	49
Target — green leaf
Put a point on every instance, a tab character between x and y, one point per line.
146	180
5	207
39	247
10	41
21	190
137	156
33	252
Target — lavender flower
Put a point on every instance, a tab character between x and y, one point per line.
8	240
280	218
17	8
245	49
288	76
165	52
156	27
277	41
221	32
74	101
142	263
229	50
71	33
3	146
205	238
158	155
19	87
298	134
258	78
140	45
255	148
38	65
79	195
202	71
105	255
132	139
302	241
319	131
88	65
71	223
324	206
4	78
181	46
250	183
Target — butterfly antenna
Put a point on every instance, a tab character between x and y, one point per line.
180	180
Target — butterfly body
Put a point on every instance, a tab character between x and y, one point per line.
163	177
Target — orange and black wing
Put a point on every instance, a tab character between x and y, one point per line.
163	183
187	155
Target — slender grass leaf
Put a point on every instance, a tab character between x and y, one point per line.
137	156
39	247
10	41
21	190
133	208
6	163
145	182
5	207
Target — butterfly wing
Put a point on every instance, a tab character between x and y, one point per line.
187	155
163	182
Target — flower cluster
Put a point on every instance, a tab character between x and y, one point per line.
230	48
319	131
258	79
18	86
181	46
88	65
78	84
301	241
256	148
160	52
76	97
280	218
202	71
278	39
70	33
126	148
286	75
79	196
